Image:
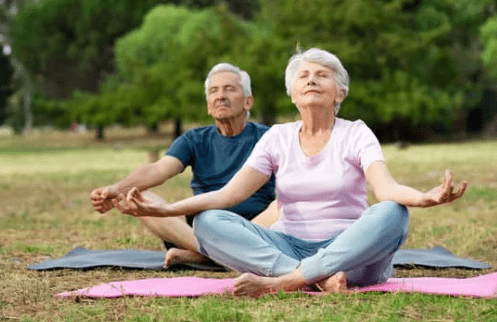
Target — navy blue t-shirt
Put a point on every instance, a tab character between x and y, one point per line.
215	159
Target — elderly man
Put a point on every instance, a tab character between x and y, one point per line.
215	154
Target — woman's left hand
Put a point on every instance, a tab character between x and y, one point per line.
139	205
443	193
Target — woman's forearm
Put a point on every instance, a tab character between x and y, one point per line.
239	188
210	200
403	195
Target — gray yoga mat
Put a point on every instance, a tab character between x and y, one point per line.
82	258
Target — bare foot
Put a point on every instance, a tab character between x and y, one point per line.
182	256
252	285
333	284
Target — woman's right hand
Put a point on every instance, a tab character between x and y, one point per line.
138	204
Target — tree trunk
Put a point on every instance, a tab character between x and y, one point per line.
27	92
100	133
178	128
490	129
268	115
153	128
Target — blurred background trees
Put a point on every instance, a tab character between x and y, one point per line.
418	68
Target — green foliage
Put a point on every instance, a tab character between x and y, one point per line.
405	59
413	60
68	43
162	67
489	38
157	39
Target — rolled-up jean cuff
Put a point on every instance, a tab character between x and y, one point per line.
312	270
284	265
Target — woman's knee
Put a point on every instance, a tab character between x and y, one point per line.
394	213
210	221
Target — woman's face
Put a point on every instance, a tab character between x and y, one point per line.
315	84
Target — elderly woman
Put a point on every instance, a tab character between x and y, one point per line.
326	235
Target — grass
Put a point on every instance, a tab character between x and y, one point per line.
45	212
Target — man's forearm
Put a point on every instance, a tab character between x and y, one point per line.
150	175
143	177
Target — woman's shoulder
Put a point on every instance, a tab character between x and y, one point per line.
284	128
350	124
353	130
357	126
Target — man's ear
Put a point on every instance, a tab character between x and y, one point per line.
249	102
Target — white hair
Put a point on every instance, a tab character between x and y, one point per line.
324	58
225	67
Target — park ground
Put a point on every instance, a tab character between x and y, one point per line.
45	181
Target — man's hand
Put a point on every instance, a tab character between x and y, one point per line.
139	204
443	193
101	198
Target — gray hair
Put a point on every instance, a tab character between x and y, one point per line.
225	67
322	57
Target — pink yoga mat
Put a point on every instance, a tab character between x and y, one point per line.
484	286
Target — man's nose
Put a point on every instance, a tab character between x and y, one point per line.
221	94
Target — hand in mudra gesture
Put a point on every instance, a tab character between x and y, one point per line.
443	193
138	204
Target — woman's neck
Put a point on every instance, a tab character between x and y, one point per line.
317	121
315	132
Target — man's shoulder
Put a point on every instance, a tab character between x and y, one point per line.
259	126
201	129
199	132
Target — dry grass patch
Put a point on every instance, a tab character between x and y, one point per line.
45	212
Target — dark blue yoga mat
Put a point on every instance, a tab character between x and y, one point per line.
437	257
82	258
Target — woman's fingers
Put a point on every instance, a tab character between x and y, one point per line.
447	191
123	205
461	190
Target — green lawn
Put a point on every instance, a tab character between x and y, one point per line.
45	212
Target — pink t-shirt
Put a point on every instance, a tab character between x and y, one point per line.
322	195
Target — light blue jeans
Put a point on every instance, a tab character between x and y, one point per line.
364	251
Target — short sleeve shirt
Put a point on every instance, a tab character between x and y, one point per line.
215	159
318	196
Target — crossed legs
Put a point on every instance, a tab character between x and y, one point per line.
174	230
361	255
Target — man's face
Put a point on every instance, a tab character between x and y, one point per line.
225	98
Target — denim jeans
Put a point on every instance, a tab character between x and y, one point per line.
364	250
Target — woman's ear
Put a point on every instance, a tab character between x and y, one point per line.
340	96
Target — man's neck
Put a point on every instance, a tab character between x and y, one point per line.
231	127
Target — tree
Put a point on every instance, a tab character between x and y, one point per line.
5	75
24	91
404	57
68	45
161	70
